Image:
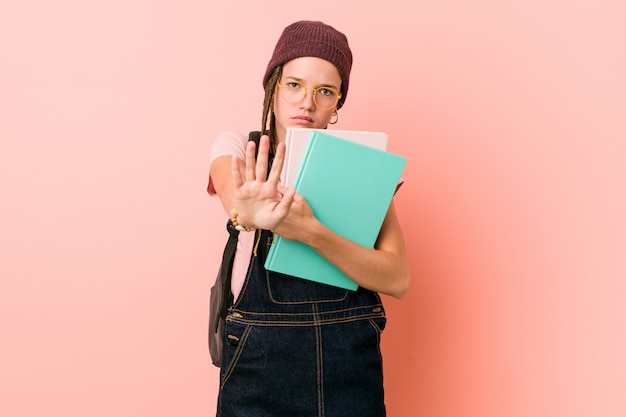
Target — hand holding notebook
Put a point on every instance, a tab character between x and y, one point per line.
349	187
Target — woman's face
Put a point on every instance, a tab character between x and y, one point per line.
311	72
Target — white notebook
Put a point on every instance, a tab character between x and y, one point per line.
297	139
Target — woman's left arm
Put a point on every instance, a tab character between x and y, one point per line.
262	203
383	269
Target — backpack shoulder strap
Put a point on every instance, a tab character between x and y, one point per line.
229	251
255	136
226	269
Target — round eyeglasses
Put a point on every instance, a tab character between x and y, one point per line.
325	98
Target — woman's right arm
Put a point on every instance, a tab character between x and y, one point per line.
226	145
222	180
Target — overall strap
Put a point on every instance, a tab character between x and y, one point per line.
226	269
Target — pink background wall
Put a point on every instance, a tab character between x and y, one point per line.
512	116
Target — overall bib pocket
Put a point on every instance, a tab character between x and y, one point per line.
285	289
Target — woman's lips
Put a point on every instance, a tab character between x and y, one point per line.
302	120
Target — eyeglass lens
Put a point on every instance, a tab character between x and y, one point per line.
324	97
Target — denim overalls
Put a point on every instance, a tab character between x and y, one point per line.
299	348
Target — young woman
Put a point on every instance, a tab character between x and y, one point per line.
295	347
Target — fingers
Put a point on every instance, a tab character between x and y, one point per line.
236	173
277	165
262	158
256	165
250	162
284	205
289	196
282	189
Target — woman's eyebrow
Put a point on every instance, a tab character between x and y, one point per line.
300	80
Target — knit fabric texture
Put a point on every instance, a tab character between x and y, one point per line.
316	39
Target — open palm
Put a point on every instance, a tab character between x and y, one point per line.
260	200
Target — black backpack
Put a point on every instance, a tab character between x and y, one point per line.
220	292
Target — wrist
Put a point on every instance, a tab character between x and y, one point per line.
234	218
313	233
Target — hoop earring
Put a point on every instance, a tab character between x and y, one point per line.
336	118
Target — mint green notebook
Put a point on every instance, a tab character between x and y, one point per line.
349	186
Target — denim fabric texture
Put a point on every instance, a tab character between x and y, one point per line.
295	347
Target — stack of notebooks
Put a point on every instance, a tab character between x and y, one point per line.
348	179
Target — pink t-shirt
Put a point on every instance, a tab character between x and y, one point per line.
228	144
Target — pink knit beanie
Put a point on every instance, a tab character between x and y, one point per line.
308	38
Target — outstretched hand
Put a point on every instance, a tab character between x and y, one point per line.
260	201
